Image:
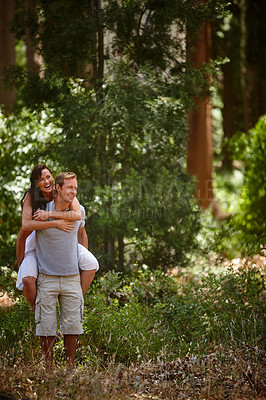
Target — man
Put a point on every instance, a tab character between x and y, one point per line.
34	218
59	278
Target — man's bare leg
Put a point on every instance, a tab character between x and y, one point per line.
29	289
70	343
86	278
47	346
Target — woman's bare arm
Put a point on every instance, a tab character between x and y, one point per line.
29	224
74	213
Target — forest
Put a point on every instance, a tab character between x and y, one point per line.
159	107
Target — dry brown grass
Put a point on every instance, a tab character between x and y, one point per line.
222	374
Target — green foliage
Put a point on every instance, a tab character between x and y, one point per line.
219	310
23	140
126	139
152	317
17	331
12	164
8	279
250	222
128	332
127	144
64	33
153	32
70	36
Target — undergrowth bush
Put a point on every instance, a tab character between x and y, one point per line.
250	221
17	335
153	317
119	325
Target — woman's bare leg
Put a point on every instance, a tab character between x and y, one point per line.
29	289
86	278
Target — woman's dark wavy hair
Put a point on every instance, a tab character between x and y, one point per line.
37	198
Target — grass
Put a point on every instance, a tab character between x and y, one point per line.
152	336
222	374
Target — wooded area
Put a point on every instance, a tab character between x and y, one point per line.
159	108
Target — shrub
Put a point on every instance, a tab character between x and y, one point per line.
18	341
226	309
250	222
119	326
153	317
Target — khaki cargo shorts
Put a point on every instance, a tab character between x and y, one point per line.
67	290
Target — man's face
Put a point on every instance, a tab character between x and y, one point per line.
68	191
45	182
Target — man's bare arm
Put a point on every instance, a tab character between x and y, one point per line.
83	237
86	277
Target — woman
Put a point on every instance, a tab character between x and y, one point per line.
34	217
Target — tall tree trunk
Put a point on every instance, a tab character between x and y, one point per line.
254	15
244	80
100	44
121	248
98	65
200	147
232	91
109	250
34	59
7	51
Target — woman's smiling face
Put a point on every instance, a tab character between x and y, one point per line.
45	182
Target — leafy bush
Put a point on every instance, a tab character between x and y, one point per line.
250	222
152	317
18	341
119	326
225	309
8	280
22	137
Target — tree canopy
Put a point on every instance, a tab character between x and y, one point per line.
108	98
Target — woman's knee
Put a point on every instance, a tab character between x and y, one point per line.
95	264
88	262
29	282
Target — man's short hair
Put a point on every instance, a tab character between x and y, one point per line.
60	179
